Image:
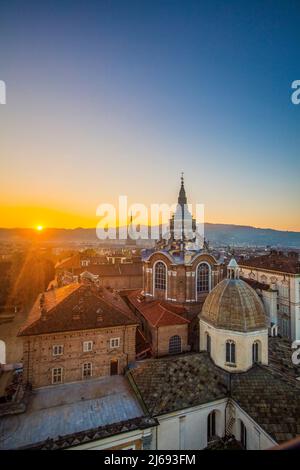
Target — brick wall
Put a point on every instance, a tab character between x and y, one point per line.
39	361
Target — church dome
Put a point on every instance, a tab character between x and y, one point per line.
234	305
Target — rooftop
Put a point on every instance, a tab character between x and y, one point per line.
274	261
76	307
174	383
67	409
274	403
157	313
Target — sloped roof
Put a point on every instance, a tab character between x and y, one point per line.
156	312
118	270
274	403
76	307
175	383
274	262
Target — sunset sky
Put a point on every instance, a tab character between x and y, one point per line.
117	97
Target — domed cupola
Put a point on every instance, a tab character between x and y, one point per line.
233	315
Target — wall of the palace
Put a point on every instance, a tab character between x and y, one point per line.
243	346
39	361
287	288
187	429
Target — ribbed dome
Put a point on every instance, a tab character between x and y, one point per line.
234	305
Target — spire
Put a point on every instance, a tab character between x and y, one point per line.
182	200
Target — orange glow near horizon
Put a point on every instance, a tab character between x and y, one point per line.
27	216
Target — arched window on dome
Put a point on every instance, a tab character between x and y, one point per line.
203	278
256	352
230	352
175	345
160	276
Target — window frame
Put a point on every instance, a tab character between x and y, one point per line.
61	348
85	346
177	345
61	369
160	278
111	341
90	369
203	279
230	352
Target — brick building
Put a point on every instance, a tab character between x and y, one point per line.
77	332
164	326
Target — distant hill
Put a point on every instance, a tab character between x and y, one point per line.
217	234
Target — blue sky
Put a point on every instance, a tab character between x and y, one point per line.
118	97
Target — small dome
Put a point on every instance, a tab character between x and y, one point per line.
234	305
232	263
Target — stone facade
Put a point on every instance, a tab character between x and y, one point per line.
243	346
39	360
283	301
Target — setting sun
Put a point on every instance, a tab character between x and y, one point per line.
39	228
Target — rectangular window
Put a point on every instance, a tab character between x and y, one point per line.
57	375
115	342
87	346
87	370
57	350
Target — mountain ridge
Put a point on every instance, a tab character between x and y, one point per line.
225	234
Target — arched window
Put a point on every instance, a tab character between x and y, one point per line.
243	432
160	280
256	352
208	343
211	425
175	345
203	273
230	352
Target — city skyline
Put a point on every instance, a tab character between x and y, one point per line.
117	99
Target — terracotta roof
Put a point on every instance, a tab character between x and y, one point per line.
76	307
274	262
234	305
156	312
